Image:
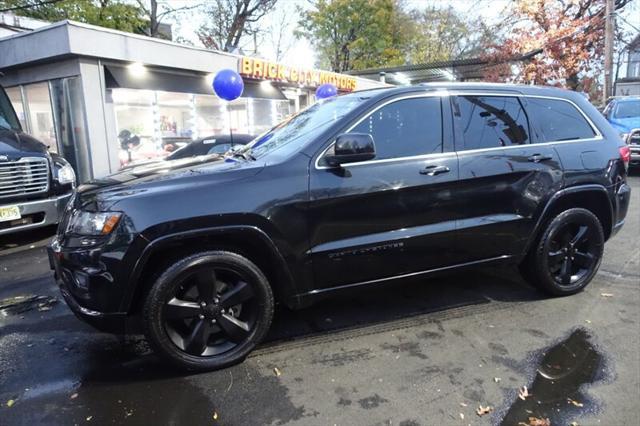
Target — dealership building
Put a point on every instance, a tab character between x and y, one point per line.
78	87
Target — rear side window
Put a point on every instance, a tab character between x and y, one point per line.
405	128
490	121
558	120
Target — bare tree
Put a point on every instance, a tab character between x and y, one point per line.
230	20
281	30
156	11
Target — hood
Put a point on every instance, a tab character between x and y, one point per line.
18	144
162	176
625	124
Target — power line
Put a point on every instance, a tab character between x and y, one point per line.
29	6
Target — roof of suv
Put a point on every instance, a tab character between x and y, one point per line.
486	87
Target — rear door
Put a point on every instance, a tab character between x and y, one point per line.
505	176
391	215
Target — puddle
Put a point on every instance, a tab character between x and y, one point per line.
558	391
20	304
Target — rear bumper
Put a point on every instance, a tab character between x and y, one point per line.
43	212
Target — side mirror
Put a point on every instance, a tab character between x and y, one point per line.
351	148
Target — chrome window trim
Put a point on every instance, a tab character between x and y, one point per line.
446	93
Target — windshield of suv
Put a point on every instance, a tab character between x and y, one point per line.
8	119
295	132
627	109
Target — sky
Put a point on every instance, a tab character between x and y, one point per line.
301	53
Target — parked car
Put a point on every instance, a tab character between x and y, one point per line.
355	191
35	185
210	145
624	115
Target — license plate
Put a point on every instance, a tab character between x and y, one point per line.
9	213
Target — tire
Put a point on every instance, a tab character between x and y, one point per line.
567	256
208	311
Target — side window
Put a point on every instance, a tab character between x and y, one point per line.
490	121
219	149
405	128
558	120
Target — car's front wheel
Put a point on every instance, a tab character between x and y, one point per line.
208	311
568	254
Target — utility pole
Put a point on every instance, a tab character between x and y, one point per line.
608	50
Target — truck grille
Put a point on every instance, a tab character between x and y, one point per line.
26	176
634	137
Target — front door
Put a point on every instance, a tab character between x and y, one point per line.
389	216
505	176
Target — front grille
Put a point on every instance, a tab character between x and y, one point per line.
634	137
26	176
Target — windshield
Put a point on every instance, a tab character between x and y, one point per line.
8	119
627	109
298	130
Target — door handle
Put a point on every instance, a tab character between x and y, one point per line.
536	158
434	170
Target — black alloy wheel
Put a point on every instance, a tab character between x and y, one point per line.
208	311
572	254
568	254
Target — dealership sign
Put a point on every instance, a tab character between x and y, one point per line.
264	70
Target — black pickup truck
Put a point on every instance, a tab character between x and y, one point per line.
35	185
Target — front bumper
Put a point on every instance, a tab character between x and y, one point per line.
78	288
635	153
42	213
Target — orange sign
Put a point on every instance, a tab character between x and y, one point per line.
265	70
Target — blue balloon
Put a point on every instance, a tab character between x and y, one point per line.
326	90
228	85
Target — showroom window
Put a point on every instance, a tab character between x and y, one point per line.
15	96
40	114
151	124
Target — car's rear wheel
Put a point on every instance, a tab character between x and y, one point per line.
568	254
208	311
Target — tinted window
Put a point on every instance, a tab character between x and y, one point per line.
219	149
405	128
558	120
490	121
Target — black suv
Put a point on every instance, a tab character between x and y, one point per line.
355	191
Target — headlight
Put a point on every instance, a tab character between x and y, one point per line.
93	224
65	174
624	137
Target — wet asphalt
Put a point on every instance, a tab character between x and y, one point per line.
425	352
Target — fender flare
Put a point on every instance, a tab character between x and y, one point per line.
555	198
133	281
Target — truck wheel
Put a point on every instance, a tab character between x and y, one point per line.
568	255
208	311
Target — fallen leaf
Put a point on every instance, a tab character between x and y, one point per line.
523	393
215	415
534	421
74	396
278	373
481	411
576	403
497	379
606	294
10	403
462	416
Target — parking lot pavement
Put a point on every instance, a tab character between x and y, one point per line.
428	352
